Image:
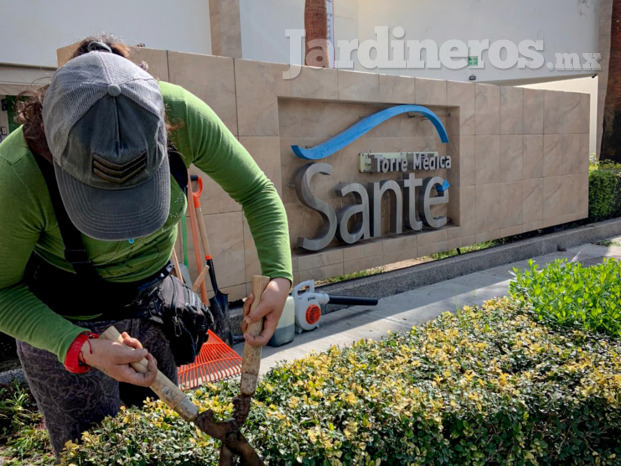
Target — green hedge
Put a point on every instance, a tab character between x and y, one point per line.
488	385
567	294
521	380
22	438
604	191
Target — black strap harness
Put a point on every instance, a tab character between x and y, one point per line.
89	293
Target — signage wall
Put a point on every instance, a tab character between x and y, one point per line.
516	160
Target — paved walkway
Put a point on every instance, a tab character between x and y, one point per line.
401	311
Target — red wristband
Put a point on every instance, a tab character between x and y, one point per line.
74	362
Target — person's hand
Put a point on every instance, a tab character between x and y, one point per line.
114	359
271	307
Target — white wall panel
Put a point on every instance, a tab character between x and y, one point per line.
32	30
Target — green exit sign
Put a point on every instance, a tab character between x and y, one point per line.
473	61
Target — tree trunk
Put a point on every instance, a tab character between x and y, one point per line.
611	131
316	25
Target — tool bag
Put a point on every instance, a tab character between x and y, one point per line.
161	297
182	314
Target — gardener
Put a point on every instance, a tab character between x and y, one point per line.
106	125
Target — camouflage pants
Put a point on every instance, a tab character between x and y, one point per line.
72	403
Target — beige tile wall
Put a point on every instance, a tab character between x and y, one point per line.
520	156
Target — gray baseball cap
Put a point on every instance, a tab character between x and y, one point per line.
105	127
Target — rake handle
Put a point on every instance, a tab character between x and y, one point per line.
195	239
165	389
196	197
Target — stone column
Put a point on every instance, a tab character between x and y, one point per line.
225	28
605	23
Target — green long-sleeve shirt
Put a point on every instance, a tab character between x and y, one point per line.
28	223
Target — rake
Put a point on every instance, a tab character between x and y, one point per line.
216	361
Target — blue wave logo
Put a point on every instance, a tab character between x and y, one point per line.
365	125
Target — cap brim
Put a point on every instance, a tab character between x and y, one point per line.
115	215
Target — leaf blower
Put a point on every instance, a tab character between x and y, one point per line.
308	304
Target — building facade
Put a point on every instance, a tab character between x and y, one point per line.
375	165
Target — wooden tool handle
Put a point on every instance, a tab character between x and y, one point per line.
202	229
196	198
252	354
175	260
200	279
168	392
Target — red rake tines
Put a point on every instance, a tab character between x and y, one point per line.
215	362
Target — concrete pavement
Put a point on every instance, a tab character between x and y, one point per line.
401	311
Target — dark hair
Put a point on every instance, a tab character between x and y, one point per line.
109	42
29	104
